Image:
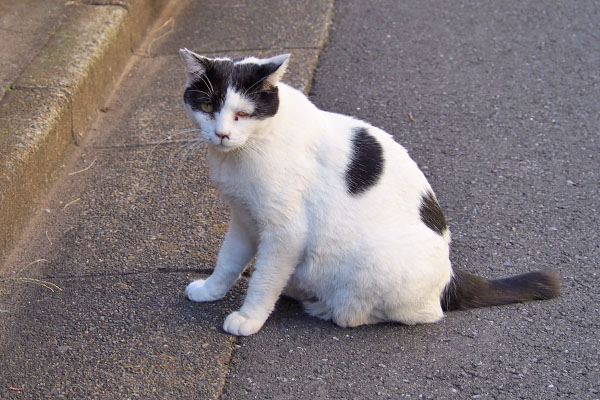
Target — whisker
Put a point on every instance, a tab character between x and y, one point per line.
256	83
205	79
212	89
207	82
200	91
169	137
186	152
188	130
175	155
191	144
253	148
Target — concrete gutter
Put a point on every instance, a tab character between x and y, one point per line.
57	96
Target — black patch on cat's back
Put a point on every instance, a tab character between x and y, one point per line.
366	162
431	213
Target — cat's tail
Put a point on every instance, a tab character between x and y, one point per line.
466	290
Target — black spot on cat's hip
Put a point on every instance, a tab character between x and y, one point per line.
431	213
366	163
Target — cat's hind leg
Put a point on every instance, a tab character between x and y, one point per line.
311	305
421	313
236	252
317	308
353	315
294	291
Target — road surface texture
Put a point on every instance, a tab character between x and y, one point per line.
505	98
498	103
30	26
91	300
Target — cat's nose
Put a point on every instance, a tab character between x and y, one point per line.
222	135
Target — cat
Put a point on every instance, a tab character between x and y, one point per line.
337	214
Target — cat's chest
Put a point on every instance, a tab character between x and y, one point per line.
233	172
247	182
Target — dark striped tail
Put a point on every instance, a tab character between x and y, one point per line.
466	290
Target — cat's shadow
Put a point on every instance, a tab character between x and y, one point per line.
287	316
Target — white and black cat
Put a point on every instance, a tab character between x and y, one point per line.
335	211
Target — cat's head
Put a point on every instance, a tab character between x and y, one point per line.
231	100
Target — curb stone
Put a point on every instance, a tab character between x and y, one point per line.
58	95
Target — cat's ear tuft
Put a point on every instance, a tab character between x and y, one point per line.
195	65
279	64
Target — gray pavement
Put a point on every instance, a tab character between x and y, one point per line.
505	98
60	60
91	302
25	27
497	101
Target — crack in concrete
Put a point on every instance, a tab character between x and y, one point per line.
203	271
134	146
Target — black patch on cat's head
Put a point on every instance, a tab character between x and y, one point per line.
431	213
366	163
251	79
254	80
209	86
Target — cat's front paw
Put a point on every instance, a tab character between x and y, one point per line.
200	291
239	324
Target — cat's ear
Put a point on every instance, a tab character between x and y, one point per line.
279	65
195	65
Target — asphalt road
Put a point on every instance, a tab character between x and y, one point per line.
91	299
499	103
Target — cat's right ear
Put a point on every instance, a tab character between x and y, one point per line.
195	65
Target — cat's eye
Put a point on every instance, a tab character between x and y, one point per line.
206	107
241	114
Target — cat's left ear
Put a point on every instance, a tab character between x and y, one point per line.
279	65
195	65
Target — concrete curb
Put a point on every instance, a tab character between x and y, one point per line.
57	96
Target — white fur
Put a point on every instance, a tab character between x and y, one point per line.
279	59
224	122
355	259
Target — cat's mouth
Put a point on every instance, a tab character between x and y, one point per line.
224	145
